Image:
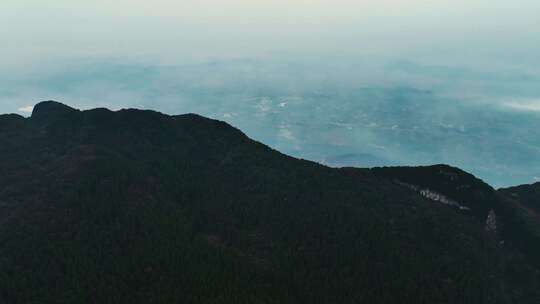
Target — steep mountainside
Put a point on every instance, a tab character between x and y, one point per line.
528	195
525	202
140	207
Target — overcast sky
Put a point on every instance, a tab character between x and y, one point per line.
184	30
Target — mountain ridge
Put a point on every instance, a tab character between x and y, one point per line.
140	206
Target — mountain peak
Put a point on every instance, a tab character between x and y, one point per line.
50	109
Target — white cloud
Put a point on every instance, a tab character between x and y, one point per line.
532	105
27	109
285	133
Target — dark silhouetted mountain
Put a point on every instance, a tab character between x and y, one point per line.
466	189
50	111
140	207
528	195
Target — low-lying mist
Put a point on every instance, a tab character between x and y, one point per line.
341	112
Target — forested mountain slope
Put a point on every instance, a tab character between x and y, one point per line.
140	207
528	195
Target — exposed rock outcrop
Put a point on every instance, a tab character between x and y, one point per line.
491	222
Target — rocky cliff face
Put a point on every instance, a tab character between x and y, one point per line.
491	222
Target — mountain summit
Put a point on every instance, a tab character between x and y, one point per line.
50	110
136	206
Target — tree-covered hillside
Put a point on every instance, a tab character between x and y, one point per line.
140	207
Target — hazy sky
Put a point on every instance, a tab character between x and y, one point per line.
183	30
497	37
